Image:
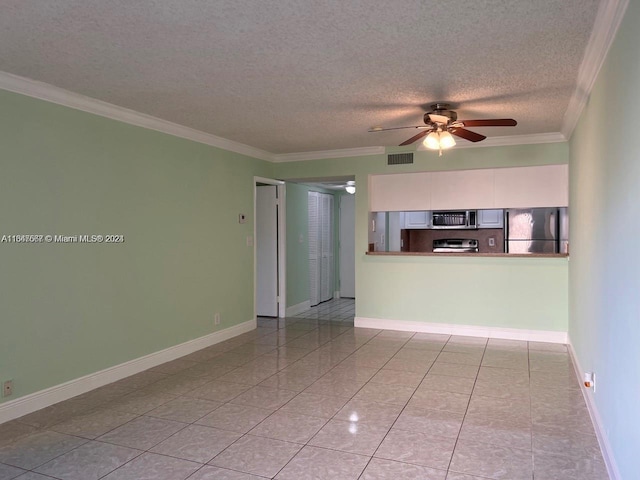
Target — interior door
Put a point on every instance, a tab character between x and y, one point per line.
327	240
321	256
348	246
266	251
314	247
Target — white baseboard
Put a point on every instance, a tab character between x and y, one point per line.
336	294
466	330
603	439
58	393
294	310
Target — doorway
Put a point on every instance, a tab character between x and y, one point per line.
269	248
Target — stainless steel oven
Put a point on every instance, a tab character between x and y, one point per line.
455	245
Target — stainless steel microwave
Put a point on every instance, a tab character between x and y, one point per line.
455	219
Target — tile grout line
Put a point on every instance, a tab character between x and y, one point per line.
332	417
403	408
247	433
475	380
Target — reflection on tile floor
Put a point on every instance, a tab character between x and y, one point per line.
337	310
312	397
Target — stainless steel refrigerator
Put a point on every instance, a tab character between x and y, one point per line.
536	230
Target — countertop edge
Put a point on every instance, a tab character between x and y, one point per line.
453	254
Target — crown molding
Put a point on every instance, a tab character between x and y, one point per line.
608	19
66	98
60	96
324	154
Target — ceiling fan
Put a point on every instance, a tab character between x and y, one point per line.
441	124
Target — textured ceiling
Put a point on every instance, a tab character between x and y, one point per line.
294	76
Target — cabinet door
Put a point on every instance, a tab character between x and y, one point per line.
400	192
490	218
462	190
529	187
417	219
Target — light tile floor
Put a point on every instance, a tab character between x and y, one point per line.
318	399
336	310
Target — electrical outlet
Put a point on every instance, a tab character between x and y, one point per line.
216	319
492	241
590	380
7	388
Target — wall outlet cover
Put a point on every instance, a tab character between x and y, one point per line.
7	388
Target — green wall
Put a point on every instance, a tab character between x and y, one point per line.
427	289
68	310
604	322
523	293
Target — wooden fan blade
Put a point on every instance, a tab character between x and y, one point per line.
466	134
415	138
498	122
380	129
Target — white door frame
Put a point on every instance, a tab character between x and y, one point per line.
282	250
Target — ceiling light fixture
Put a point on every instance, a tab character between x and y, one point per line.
432	141
446	140
350	187
439	140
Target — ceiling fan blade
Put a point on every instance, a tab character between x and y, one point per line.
466	134
498	122
380	129
415	138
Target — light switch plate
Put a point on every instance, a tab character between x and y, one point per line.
242	218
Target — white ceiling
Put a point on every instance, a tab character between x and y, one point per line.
298	76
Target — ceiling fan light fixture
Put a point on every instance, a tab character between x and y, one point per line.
432	141
446	140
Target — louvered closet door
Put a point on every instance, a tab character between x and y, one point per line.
326	235
314	248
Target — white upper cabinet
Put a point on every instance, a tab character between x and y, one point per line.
462	190
400	192
517	187
529	187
